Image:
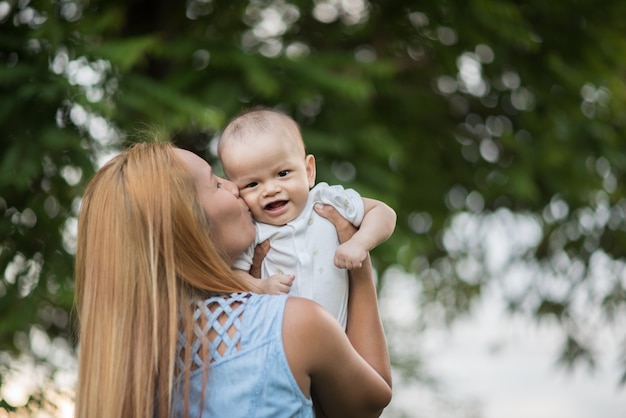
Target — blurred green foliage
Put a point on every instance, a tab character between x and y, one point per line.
439	109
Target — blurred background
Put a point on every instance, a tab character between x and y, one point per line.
494	128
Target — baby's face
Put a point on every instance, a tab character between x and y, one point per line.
273	175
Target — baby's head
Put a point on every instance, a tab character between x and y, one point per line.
263	153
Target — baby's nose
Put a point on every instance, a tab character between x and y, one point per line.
271	187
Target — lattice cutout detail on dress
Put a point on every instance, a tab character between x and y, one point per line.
217	321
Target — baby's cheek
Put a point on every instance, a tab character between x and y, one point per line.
254	206
247	198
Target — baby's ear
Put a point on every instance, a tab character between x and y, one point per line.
309	161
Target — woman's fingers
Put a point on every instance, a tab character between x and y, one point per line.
260	251
345	230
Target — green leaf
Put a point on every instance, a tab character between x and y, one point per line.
126	53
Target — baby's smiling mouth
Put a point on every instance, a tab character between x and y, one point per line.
275	205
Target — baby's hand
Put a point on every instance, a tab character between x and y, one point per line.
277	284
350	255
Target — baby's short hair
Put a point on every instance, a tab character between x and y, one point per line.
260	119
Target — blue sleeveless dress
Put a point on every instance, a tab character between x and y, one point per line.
252	379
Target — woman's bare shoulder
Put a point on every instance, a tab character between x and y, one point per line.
309	331
302	312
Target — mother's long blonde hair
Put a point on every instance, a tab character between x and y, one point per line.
144	253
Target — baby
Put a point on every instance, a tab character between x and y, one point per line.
263	153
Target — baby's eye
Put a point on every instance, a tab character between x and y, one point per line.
283	173
250	185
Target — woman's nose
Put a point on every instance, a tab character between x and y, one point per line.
230	186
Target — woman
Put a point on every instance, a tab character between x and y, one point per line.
166	328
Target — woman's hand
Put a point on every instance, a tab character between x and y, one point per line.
260	251
345	230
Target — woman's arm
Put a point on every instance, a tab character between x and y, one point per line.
349	374
364	328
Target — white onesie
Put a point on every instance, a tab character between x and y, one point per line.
305	247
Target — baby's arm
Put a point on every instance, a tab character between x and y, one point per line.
379	222
274	285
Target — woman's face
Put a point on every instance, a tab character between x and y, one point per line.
230	217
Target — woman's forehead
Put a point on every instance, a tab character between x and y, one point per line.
194	163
